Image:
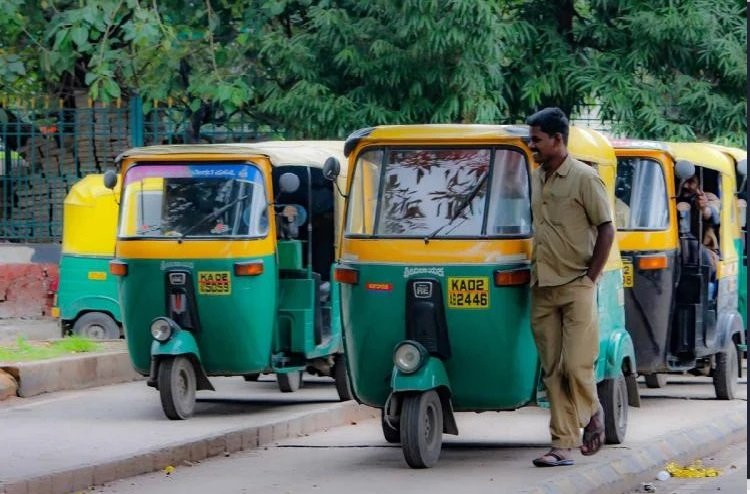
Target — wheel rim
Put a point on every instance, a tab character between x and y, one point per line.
429	425
621	405
95	331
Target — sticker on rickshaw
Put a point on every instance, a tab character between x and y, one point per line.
214	283
468	293
627	272
97	275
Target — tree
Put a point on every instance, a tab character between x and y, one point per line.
663	70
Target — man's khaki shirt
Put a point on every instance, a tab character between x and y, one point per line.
568	207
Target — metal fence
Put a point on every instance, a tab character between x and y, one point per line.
45	148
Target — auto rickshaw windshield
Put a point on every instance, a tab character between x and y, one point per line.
640	195
194	200
458	192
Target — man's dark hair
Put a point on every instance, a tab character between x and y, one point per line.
551	121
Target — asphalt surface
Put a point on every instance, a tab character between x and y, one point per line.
492	454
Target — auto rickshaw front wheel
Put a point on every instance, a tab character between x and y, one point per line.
726	373
96	326
613	396
421	429
289	382
655	381
177	385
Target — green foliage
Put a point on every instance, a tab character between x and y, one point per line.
658	69
24	350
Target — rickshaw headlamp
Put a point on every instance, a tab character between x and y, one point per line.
162	329
409	356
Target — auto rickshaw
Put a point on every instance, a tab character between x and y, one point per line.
224	256
681	295
739	156
434	268
86	300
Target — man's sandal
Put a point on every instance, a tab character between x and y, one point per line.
558	460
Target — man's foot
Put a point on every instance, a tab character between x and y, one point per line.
555	457
593	434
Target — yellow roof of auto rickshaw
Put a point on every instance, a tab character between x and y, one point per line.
737	153
700	154
280	153
587	144
90	218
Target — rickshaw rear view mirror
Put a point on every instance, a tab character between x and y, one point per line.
288	182
331	169
742	206
683	169
110	179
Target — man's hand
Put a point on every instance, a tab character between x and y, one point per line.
701	200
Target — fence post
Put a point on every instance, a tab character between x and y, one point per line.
136	120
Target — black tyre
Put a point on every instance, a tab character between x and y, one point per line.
289	382
392	431
341	378
613	396
177	385
421	429
251	377
97	326
725	373
655	381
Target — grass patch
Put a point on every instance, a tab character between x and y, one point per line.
25	350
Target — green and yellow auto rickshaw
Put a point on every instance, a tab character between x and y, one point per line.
681	267
224	256
86	300
434	271
739	156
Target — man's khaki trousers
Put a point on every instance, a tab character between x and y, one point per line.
566	331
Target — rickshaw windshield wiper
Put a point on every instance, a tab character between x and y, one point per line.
212	215
461	208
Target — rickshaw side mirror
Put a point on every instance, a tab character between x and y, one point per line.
684	169
742	206
331	169
288	182
110	179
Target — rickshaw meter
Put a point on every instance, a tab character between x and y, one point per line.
409	356
162	329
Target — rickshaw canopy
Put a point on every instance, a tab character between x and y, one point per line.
90	218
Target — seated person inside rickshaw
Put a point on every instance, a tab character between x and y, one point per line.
701	212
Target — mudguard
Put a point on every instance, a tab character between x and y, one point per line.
181	343
431	375
730	324
620	357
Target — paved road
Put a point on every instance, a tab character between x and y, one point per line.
493	454
732	464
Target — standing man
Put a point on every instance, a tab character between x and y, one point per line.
573	233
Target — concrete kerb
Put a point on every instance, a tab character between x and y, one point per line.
641	463
71	372
185	454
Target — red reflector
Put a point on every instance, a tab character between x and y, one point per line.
346	275
118	268
253	268
652	262
512	277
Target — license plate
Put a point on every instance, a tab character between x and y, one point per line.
468	293
627	273
214	282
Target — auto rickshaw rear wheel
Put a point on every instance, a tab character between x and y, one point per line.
341	378
177	384
421	429
613	396
391	431
289	382
655	381
725	373
97	326
251	377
